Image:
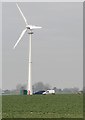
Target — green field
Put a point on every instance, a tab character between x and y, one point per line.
43	106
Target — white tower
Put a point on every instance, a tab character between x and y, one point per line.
29	89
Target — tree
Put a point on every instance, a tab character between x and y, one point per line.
21	87
40	86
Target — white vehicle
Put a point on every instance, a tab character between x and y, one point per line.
49	92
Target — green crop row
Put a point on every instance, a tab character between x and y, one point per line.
43	106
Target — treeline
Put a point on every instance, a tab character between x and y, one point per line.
41	86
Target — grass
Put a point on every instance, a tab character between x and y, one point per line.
43	106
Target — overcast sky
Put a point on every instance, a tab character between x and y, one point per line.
57	48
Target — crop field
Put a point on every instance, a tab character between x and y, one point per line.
43	106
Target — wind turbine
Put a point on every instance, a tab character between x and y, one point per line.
30	28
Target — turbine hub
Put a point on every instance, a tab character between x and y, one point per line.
27	27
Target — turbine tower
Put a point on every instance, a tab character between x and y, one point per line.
30	28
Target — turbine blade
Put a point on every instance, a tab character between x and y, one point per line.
23	32
22	14
34	27
37	27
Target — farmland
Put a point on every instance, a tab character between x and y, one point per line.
43	106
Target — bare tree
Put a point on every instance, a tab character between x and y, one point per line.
20	87
40	86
